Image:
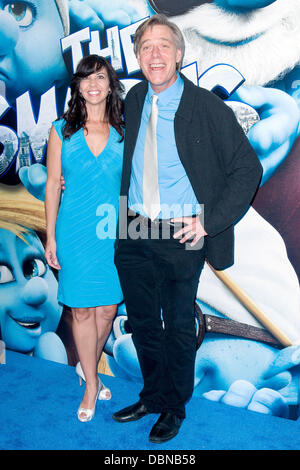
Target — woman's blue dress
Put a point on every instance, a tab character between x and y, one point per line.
87	220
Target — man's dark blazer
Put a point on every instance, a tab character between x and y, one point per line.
219	161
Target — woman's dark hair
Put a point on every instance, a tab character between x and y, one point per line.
76	115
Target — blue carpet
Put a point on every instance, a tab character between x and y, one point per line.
39	398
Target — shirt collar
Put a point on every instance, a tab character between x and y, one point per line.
174	91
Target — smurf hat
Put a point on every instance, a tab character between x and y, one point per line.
63	9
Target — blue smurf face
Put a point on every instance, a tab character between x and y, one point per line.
30	53
28	292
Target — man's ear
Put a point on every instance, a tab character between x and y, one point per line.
178	56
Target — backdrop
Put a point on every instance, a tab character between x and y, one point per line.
247	52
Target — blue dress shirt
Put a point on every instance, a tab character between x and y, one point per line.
177	197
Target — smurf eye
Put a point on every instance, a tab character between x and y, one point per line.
33	268
5	274
21	12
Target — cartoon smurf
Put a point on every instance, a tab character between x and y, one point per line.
29	311
31	57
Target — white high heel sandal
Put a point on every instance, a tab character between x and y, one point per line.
104	392
89	412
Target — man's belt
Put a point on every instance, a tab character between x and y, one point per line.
213	324
146	222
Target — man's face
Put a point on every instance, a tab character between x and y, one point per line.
158	56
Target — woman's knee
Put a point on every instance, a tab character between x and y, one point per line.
82	314
107	312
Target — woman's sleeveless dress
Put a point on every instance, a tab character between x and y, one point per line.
87	221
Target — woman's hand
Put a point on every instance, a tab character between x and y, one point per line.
50	254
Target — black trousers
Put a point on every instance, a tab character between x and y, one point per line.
159	279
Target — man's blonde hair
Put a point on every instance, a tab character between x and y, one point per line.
163	21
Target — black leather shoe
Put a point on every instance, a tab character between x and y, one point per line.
166	427
131	413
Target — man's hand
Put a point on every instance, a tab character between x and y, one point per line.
62	183
192	228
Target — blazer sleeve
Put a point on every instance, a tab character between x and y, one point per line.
242	170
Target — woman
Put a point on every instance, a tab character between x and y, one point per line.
86	146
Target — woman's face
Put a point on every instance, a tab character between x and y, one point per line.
95	87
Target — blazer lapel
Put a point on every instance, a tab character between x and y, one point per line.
183	119
187	102
133	119
183	128
133	113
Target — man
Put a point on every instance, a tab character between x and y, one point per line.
203	157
